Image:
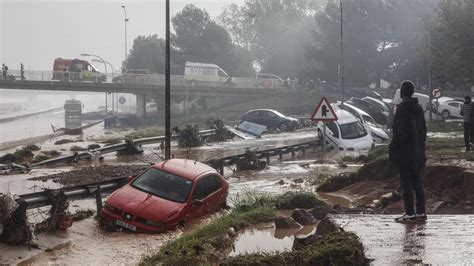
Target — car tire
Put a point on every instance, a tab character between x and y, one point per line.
320	134
284	127
445	114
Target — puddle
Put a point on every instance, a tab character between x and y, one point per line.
267	239
335	199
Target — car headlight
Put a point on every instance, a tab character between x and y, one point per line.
154	224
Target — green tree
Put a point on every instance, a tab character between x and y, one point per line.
452	43
200	39
275	32
380	40
148	52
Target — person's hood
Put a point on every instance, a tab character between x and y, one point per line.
411	106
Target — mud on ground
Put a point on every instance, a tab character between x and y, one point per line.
90	174
448	179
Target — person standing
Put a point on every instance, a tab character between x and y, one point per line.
467	113
4	71
22	71
407	151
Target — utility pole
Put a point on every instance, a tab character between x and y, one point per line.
429	73
341	72
125	20
167	86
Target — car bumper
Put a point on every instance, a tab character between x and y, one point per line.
112	218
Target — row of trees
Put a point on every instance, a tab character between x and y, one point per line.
384	39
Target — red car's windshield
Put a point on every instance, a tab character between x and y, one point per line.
163	185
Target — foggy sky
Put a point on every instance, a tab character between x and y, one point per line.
36	32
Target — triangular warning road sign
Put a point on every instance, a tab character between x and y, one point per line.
324	111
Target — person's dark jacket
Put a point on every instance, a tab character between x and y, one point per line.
409	134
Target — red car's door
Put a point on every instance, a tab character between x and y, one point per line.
207	196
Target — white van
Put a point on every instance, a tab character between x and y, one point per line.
200	72
423	99
347	133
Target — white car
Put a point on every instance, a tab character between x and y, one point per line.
377	131
451	108
347	133
380	105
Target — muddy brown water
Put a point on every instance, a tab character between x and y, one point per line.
265	238
87	244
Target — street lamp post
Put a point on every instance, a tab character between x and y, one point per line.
125	20
105	67
167	86
114	70
341	70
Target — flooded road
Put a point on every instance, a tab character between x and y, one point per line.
442	240
86	244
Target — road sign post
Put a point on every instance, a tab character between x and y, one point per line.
324	113
436	94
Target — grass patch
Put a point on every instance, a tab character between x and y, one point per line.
63	141
77	148
445	127
289	200
292	200
199	246
146	133
188	249
82	214
338	248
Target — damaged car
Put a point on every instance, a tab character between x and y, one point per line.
166	195
272	119
347	133
379	134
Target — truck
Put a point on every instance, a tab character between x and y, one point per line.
76	70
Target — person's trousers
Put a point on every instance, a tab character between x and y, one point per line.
468	133
410	180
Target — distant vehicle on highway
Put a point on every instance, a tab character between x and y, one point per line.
76	70
271	119
347	133
450	108
133	76
200	72
377	131
269	81
168	194
379	116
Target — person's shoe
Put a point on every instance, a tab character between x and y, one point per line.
405	218
421	216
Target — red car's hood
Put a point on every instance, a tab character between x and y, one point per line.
144	205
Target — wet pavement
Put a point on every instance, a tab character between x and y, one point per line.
441	240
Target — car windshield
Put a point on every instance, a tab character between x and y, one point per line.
352	130
369	120
278	113
164	185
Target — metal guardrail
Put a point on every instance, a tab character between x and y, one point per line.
115	147
42	198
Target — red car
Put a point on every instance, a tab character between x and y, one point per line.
166	195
